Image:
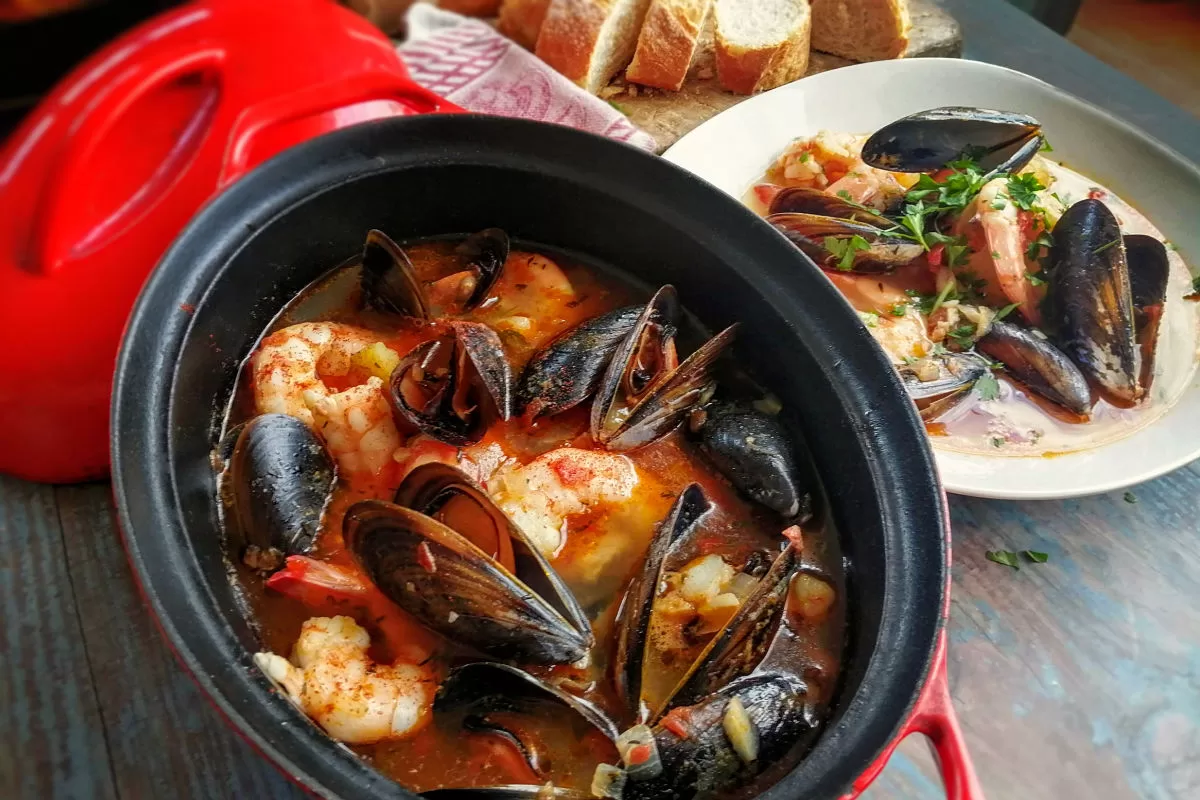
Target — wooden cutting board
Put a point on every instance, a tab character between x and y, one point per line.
669	115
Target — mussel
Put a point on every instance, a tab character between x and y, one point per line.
451	388
567	371
753	450
645	391
1149	272
998	141
956	374
1032	360
841	245
461	567
806	200
279	478
390	282
1089	302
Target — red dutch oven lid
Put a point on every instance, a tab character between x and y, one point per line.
99	179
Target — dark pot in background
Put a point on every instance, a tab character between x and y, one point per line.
284	224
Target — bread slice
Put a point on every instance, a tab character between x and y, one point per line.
521	20
668	42
589	41
861	30
761	44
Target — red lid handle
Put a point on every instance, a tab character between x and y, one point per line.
933	716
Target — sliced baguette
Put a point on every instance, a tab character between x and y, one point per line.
589	41
761	44
860	30
668	42
521	20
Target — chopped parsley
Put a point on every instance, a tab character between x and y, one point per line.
1044	239
943	296
987	386
963	336
844	249
618	107
1045	148
1008	309
1196	284
804	157
1105	246
1023	189
999	205
1035	556
1035	278
1130	497
1005	557
900	309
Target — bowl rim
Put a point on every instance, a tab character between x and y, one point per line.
957	467
915	522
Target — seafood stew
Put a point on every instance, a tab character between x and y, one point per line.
505	518
1028	310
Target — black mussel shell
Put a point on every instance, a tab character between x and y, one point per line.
958	373
704	764
389	281
279	478
1149	272
569	369
805	200
1038	365
514	791
457	590
633	618
753	450
484	686
449	496
815	234
738	648
1089	302
486	252
452	388
927	141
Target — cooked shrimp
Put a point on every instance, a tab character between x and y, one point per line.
290	370
540	496
336	684
833	162
994	230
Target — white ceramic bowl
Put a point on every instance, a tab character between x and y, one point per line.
733	149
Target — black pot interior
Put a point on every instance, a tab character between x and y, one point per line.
279	228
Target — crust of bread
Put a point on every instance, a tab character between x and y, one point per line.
568	36
667	42
837	28
749	70
521	20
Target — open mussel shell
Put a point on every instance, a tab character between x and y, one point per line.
483	687
958	372
715	757
1089	302
753	450
389	281
928	140
486	252
449	496
279	478
513	791
1039	365
1149	272
454	588
806	200
452	388
812	234
633	618
568	370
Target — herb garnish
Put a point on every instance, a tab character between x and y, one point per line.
1130	497
1023	189
1005	557
900	309
1044	239
1035	556
963	336
987	386
1008	309
1035	278
844	249
1105	246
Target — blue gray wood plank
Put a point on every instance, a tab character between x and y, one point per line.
52	742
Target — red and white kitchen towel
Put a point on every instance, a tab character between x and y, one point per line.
467	62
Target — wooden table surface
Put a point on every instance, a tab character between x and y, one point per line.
1078	679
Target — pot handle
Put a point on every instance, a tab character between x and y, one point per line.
934	717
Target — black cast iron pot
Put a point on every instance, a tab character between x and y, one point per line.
284	224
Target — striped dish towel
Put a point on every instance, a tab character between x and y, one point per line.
468	63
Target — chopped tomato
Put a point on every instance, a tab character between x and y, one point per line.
1096	194
935	255
678	721
765	192
639	754
796	536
